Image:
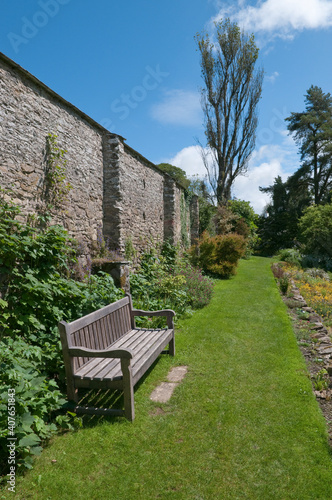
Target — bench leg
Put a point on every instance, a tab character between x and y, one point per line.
128	389
72	393
172	347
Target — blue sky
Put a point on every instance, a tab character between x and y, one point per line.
134	67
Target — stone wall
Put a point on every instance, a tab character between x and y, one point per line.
194	220
141	204
142	216
113	187
177	214
28	113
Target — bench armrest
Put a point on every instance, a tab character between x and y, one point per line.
103	353
168	313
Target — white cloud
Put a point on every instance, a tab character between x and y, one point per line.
272	78
265	165
247	187
179	107
189	159
281	18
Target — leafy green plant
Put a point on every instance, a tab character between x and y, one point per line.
199	287
153	286
167	280
291	256
321	380
57	187
284	284
304	315
130	251
35	395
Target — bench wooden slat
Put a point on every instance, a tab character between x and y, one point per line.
143	343
101	370
138	344
105	331
100	313
145	362
93	367
88	410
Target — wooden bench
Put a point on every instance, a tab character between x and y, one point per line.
105	350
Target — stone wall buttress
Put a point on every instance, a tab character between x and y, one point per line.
112	196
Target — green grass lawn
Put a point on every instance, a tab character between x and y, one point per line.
243	424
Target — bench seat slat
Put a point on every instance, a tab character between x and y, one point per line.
146	342
145	362
152	343
92	368
96	365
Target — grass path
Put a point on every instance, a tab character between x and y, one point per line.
243	424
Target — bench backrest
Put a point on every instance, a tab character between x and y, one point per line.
97	330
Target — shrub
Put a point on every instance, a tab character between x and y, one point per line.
154	286
198	287
238	217
219	254
316	230
166	280
230	248
291	256
317	261
281	277
284	284
277	270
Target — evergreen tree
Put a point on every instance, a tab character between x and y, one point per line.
177	173
312	131
278	227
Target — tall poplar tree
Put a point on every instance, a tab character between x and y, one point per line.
312	131
232	89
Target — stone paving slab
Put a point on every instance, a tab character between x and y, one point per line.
177	373
164	391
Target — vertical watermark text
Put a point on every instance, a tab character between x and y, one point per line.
11	441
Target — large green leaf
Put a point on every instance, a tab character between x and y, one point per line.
29	440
